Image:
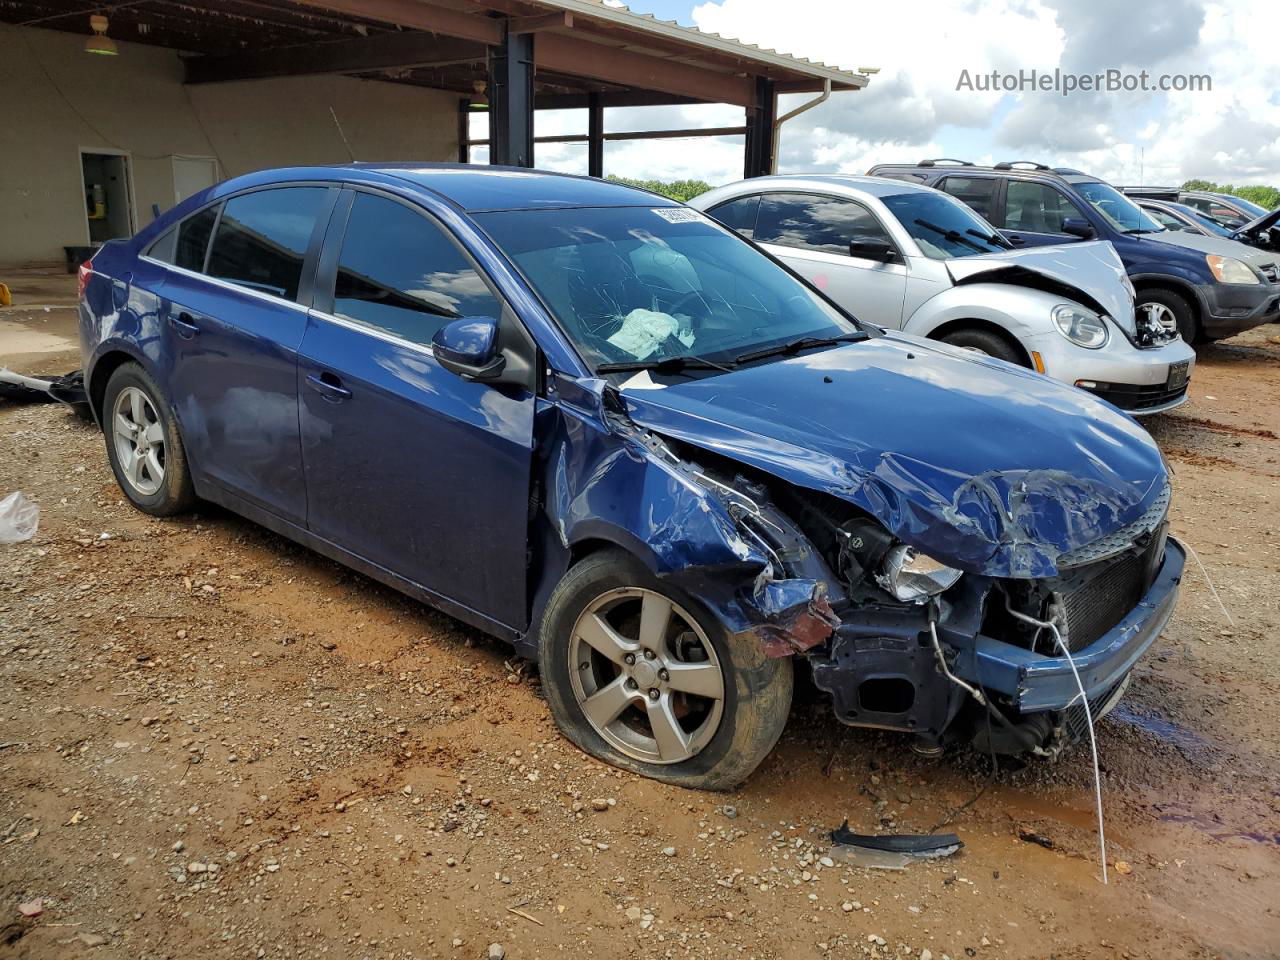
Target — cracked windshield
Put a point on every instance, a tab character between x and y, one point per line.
634	287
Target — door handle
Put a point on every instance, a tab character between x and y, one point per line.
185	324
328	386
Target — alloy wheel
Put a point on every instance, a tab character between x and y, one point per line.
646	676
139	440
1158	313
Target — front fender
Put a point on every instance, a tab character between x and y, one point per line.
1020	311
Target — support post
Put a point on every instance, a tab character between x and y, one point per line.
511	100
595	136
464	130
760	159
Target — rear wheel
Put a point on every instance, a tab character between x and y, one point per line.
988	343
1169	309
143	445
640	676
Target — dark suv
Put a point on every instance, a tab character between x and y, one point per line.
1212	287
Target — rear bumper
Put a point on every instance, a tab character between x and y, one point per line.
1037	683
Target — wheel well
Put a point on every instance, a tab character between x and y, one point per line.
106	365
584	548
986	326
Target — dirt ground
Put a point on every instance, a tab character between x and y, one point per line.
215	743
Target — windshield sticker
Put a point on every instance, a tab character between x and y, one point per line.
678	215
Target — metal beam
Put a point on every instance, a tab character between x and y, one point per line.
511	101
595	136
634	135
361	54
544	21
619	98
418	15
566	53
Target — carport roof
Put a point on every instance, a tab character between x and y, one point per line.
584	46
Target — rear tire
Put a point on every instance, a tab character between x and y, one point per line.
1166	302
143	444
984	341
718	740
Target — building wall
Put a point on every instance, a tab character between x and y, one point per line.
57	100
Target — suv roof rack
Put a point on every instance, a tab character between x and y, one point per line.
937	160
1151	193
1010	164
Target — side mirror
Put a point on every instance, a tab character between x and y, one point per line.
1077	227
871	249
469	348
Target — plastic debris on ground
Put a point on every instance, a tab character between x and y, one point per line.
68	389
891	851
19	518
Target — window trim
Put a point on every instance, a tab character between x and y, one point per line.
897	256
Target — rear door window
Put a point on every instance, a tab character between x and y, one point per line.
811	222
263	237
400	273
186	244
978	192
1036	207
739	215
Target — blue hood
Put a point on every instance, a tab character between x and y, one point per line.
982	465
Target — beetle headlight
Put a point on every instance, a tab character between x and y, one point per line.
1082	327
912	576
1227	270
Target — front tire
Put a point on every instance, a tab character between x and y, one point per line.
143	444
988	343
1165	306
638	674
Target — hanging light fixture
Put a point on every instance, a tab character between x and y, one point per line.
100	43
479	94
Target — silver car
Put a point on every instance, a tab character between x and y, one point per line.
912	258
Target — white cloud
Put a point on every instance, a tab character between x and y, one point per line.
912	108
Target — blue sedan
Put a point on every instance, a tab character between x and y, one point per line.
592	422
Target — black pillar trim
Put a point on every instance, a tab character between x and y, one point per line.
759	157
595	135
511	100
464	130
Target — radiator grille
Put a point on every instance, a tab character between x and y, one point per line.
1094	606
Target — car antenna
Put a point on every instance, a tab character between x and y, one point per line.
345	142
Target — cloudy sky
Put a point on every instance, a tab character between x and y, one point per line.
912	108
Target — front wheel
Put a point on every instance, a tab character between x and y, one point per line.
638	675
1169	310
987	343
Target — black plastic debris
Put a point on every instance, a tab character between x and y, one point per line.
68	389
891	851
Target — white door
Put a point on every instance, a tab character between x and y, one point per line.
811	233
191	175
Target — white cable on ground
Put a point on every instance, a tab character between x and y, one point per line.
1207	580
1088	715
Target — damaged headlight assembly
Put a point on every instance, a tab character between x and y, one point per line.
914	577
1082	327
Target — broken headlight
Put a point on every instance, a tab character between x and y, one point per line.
914	577
1082	327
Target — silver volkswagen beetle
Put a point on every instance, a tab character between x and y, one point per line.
912	258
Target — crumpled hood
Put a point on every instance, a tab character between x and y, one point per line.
982	465
1093	270
1222	246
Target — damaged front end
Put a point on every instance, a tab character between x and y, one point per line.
898	640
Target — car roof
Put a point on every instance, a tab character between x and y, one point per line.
1041	172
475	188
870	186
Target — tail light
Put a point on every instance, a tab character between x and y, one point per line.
86	269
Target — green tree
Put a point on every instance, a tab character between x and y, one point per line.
1268	197
682	190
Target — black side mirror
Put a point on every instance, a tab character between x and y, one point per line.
871	250
469	348
1077	227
